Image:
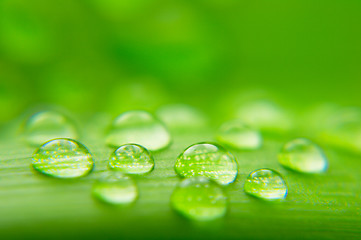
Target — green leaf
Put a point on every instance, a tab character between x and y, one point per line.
317	206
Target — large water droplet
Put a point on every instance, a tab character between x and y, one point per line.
138	127
237	135
181	116
266	184
209	160
199	199
63	158
302	155
47	125
115	188
132	159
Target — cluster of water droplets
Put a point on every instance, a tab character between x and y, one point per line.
63	157
206	167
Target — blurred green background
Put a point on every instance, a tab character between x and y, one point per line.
109	55
96	56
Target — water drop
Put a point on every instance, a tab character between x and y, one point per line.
115	188
302	155
63	158
266	184
199	199
132	159
342	128
265	115
47	125
181	116
315	119
335	125
237	135
138	127
209	160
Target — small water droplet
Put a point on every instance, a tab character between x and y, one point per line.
209	160
138	127
265	115
47	125
315	119
181	116
342	128
115	188
199	199
266	184
237	135
63	158
302	155
132	159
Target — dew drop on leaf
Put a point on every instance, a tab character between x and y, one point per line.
208	160
199	199
266	116
266	184
182	117
302	155
237	135
138	127
132	159
63	158
115	188
47	125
